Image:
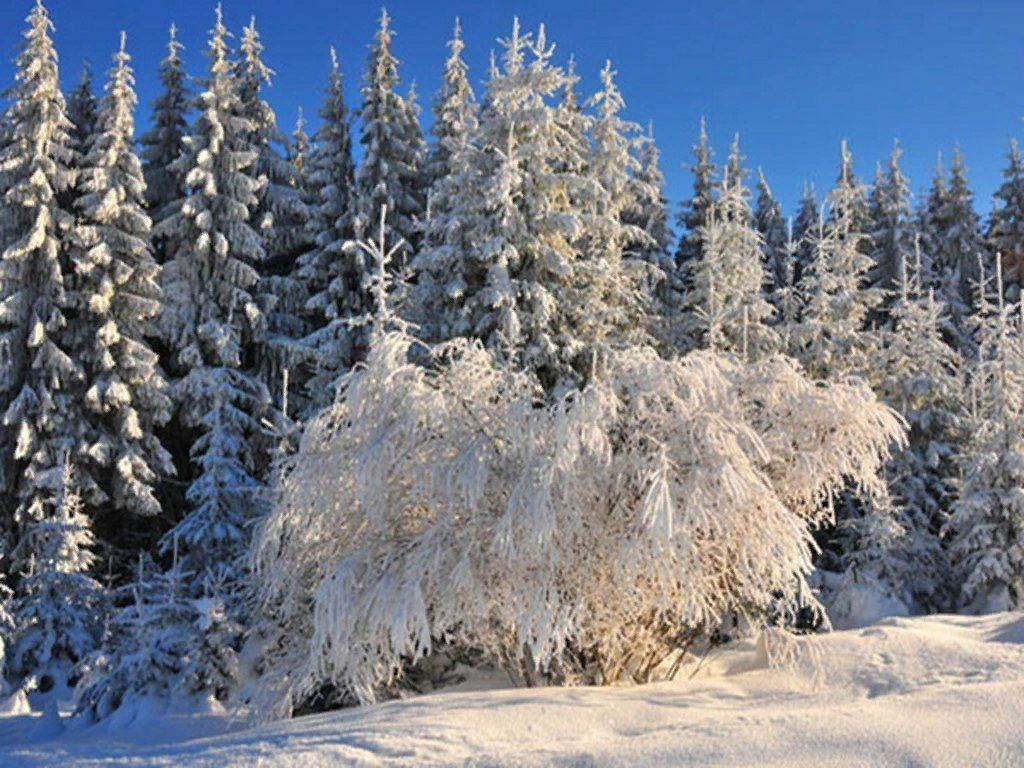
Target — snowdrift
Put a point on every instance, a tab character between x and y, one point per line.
940	690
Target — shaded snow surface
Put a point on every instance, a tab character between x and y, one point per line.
942	690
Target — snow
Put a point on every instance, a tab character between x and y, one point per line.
930	691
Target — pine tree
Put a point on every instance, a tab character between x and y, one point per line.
336	279
1005	235
39	378
694	212
58	607
390	174
298	156
127	397
892	238
772	228
725	305
164	142
215	322
82	109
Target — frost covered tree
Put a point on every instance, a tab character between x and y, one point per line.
436	508
117	281
649	209
892	237
805	230
336	279
456	114
280	218
772	228
214	323
164	142
1005	235
298	155
82	109
921	379
40	380
987	522
391	172
58	609
694	212
951	241
146	647
507	270
833	338
725	305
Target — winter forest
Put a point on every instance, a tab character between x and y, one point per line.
294	420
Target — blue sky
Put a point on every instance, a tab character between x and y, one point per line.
792	78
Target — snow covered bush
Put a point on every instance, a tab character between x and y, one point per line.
587	537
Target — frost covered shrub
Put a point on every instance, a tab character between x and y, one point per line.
586	537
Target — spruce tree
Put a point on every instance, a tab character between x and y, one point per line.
40	379
805	230
772	228
456	115
1005	235
834	340
951	241
986	527
649	207
694	212
725	305
58	608
82	109
390	174
127	397
336	279
921	379
280	218
164	142
215	323
892	236
507	269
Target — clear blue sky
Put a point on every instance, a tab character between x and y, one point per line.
792	78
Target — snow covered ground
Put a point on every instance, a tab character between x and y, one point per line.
942	690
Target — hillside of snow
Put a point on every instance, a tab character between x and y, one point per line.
940	690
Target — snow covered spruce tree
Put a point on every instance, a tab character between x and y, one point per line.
82	109
40	379
164	142
58	611
507	267
694	212
391	172
649	208
951	241
214	323
892	236
280	218
455	120
336	278
146	650
987	523
921	379
439	511
725	305
772	228
834	340
805	232
1005	235
127	397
